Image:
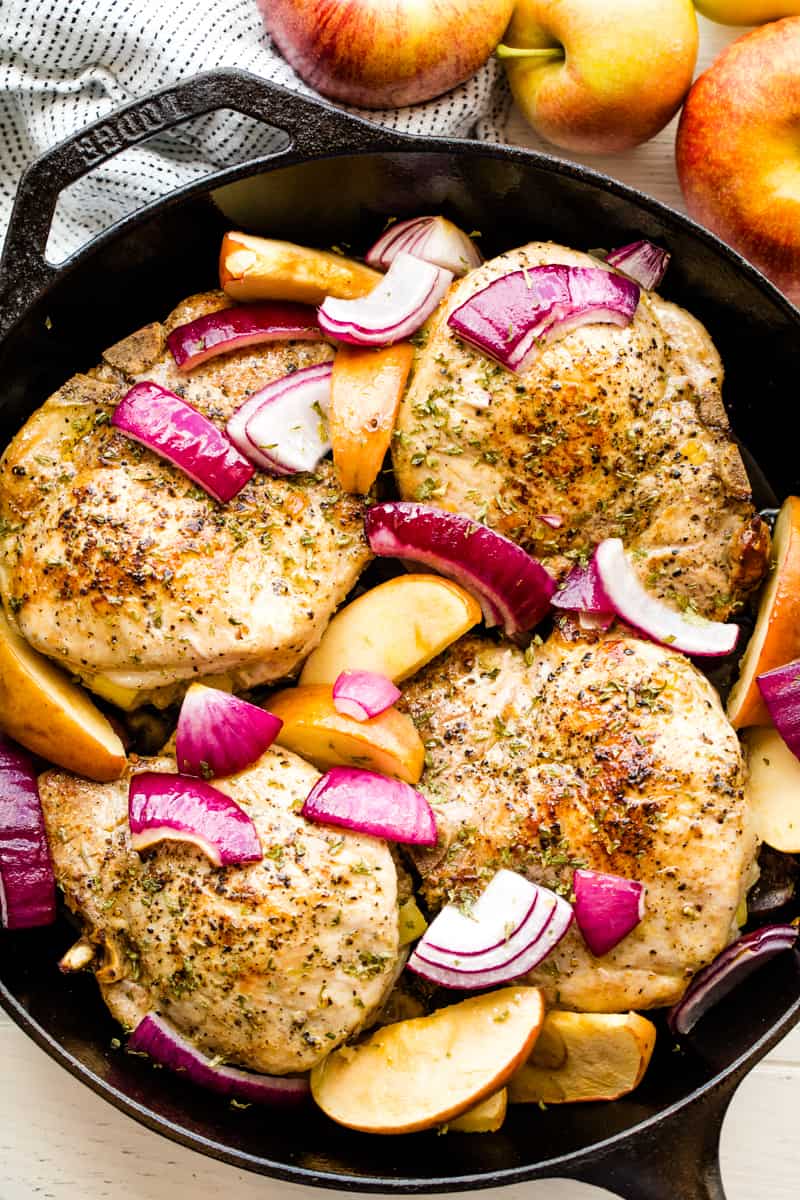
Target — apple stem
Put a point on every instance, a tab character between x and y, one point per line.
503	51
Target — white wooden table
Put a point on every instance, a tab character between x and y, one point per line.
58	1141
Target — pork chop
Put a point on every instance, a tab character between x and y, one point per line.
610	433
612	753
270	965
119	567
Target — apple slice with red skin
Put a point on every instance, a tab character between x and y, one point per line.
420	1073
776	637
394	629
255	268
43	710
315	730
366	388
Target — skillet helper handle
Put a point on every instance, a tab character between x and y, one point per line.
315	129
676	1159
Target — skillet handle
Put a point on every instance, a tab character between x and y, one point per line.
676	1159
315	129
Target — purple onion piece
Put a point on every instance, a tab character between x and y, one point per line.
366	802
512	588
219	734
234	328
177	432
167	807
734	964
154	1037
27	882
643	262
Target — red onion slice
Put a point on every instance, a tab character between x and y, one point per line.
177	432
283	427
161	1042
728	969
393	239
582	591
514	315
27	883
643	262
370	803
363	694
234	328
182	809
631	601
219	734
552	520
512	588
526	940
493	926
607	908
435	239
781	691
401	302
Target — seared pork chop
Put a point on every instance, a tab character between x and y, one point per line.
612	753
611	432
270	965
118	566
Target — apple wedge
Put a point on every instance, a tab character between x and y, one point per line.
585	1056
255	268
420	1073
312	728
394	629
486	1117
43	710
366	387
776	637
773	789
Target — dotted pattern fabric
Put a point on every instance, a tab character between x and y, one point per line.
66	63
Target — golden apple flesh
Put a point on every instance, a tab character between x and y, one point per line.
747	12
603	76
385	53
738	151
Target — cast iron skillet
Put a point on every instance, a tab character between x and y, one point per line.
336	181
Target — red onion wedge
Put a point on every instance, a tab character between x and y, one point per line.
219	734
161	1042
283	428
370	803
582	591
513	589
513	926
181	809
177	432
607	908
781	691
642	262
631	601
27	883
234	328
363	694
513	316
435	239
729	968
401	302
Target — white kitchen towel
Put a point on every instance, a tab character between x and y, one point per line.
65	63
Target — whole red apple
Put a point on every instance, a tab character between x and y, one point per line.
385	53
738	150
597	76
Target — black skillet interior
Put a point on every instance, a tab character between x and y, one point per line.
663	1138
